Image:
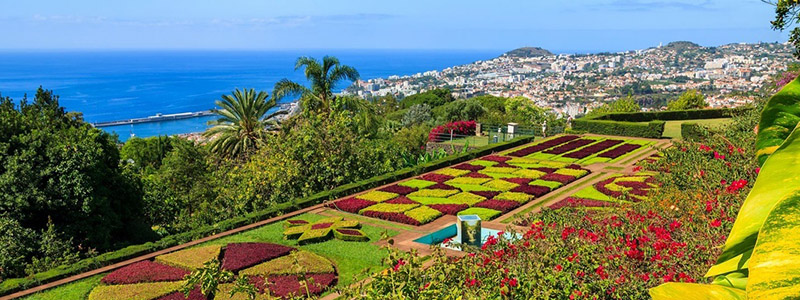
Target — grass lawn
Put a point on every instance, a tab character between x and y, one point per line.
672	129
351	258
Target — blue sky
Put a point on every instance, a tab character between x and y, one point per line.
559	25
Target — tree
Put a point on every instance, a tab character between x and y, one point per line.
691	99
56	167
434	98
787	13
523	110
323	77
146	153
460	110
243	120
417	114
626	104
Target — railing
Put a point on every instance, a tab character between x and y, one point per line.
490	134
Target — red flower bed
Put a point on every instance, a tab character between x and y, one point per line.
242	255
145	271
449	209
398	189
394	217
469	167
441	186
486	194
195	294
536	190
580	202
351	205
349	231
505	165
285	286
442	132
574	166
558	178
297	222
436	177
633	184
546	170
569	146
401	200
543	145
619	151
476	175
518	180
501	205
321	225
497	158
639	189
588	151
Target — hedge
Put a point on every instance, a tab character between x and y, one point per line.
692	131
12	285
647	124
652	129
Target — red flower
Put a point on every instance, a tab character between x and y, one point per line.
716	223
559	268
400	263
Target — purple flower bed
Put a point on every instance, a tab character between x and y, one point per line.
536	190
441	186
297	222
601	187
486	194
349	232
546	170
497	158
588	151
469	167
436	177
401	200
476	175
543	145
570	146
574	166
449	209
518	180
398	189
321	225
242	255
351	205
145	271
501	205
505	165
558	178
580	202
619	151
394	217
285	286
633	184
195	294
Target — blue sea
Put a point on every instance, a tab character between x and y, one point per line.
117	85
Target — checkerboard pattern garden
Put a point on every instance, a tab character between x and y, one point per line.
583	150
489	187
611	191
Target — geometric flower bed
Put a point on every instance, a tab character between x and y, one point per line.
583	150
489	186
269	267
322	230
611	191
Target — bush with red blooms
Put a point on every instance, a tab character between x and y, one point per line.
442	132
612	253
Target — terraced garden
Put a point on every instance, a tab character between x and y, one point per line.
333	243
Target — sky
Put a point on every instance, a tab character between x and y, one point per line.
564	26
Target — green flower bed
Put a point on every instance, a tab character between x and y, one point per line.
485	214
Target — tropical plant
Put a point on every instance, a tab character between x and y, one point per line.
323	77
244	118
691	99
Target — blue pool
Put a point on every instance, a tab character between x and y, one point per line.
451	231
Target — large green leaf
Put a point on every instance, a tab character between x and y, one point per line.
779	118
775	265
774	182
694	291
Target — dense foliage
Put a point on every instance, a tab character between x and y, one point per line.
691	99
626	104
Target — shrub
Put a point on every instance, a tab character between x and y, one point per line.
144	271
514	196
350	234
194	294
592	149
499	170
452	172
190	259
500	185
285	286
486	194
560	178
398	217
432	193
578	173
417	183
484	213
242	255
653	129
351	205
440	133
535	190
501	205
438	178
442	186
521	181
529	173
398	189
423	214
389	208
310	262
449	209
377	196
401	200
541	146
619	151
469	167
467	198
476	175
572	145
580	202
139	291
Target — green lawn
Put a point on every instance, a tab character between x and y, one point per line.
672	129
351	258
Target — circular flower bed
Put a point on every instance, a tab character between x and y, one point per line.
271	268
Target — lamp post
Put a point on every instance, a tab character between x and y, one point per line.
544	128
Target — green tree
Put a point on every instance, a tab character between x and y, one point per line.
523	110
626	104
146	153
434	98
323	77
243	121
417	114
17	246
56	167
469	109
787	13
691	99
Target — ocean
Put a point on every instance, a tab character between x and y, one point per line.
117	85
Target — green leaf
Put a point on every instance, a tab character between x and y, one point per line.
775	265
773	184
779	118
694	291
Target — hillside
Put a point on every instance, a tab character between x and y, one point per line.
528	52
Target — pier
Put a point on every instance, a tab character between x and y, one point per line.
156	118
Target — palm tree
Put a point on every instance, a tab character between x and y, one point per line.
322	77
242	122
